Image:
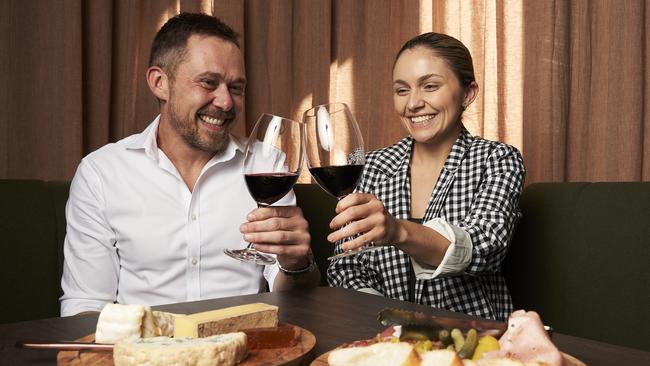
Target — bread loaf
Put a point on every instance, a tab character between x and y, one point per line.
505	362
224	349
441	357
392	354
378	354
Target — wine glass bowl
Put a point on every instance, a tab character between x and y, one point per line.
272	160
334	145
335	153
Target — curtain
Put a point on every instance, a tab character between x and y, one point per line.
586	95
566	82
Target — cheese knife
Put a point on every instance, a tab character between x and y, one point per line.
419	320
258	338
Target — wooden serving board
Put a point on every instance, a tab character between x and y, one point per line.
300	354
322	360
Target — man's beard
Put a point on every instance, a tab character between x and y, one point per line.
189	130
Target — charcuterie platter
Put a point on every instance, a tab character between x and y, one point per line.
419	339
571	361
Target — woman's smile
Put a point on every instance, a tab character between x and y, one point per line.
422	119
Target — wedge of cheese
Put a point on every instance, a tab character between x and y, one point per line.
158	323
117	322
224	349
257	315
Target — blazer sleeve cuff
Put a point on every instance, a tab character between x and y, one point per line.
457	257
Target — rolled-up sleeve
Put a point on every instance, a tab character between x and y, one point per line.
456	258
91	265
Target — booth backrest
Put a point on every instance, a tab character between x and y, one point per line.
318	208
32	229
579	256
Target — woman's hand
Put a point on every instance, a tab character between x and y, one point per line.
363	213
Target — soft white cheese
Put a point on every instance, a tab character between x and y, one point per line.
117	322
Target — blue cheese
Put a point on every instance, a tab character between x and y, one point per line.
223	349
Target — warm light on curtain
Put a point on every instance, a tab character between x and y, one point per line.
564	81
492	31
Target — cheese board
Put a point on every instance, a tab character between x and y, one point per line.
299	354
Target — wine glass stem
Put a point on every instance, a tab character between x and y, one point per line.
250	244
341	241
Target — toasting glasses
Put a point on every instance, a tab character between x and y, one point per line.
272	161
335	154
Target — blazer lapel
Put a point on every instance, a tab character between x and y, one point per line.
448	175
395	185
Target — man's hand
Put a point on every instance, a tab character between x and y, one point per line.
362	213
280	230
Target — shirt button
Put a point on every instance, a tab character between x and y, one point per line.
194	261
193	216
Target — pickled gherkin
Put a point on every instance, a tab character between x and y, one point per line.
471	340
445	337
458	339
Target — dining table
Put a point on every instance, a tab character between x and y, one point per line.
334	315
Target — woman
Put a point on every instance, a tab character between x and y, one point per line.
441	202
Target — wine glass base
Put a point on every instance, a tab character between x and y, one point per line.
250	255
347	253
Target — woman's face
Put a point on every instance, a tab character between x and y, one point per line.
428	96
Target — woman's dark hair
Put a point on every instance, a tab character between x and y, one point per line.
168	47
449	49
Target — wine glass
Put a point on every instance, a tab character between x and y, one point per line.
335	154
272	161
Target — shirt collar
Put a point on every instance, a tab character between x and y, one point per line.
147	141
235	145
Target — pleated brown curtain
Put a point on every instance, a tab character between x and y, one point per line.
492	31
565	81
41	129
586	90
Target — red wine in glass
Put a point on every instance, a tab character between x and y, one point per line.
268	188
272	160
339	181
335	153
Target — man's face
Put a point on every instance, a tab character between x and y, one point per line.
206	95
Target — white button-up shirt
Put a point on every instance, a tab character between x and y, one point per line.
137	235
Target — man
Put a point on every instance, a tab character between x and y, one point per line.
149	216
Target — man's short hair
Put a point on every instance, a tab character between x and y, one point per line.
169	46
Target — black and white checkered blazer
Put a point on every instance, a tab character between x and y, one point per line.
478	190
